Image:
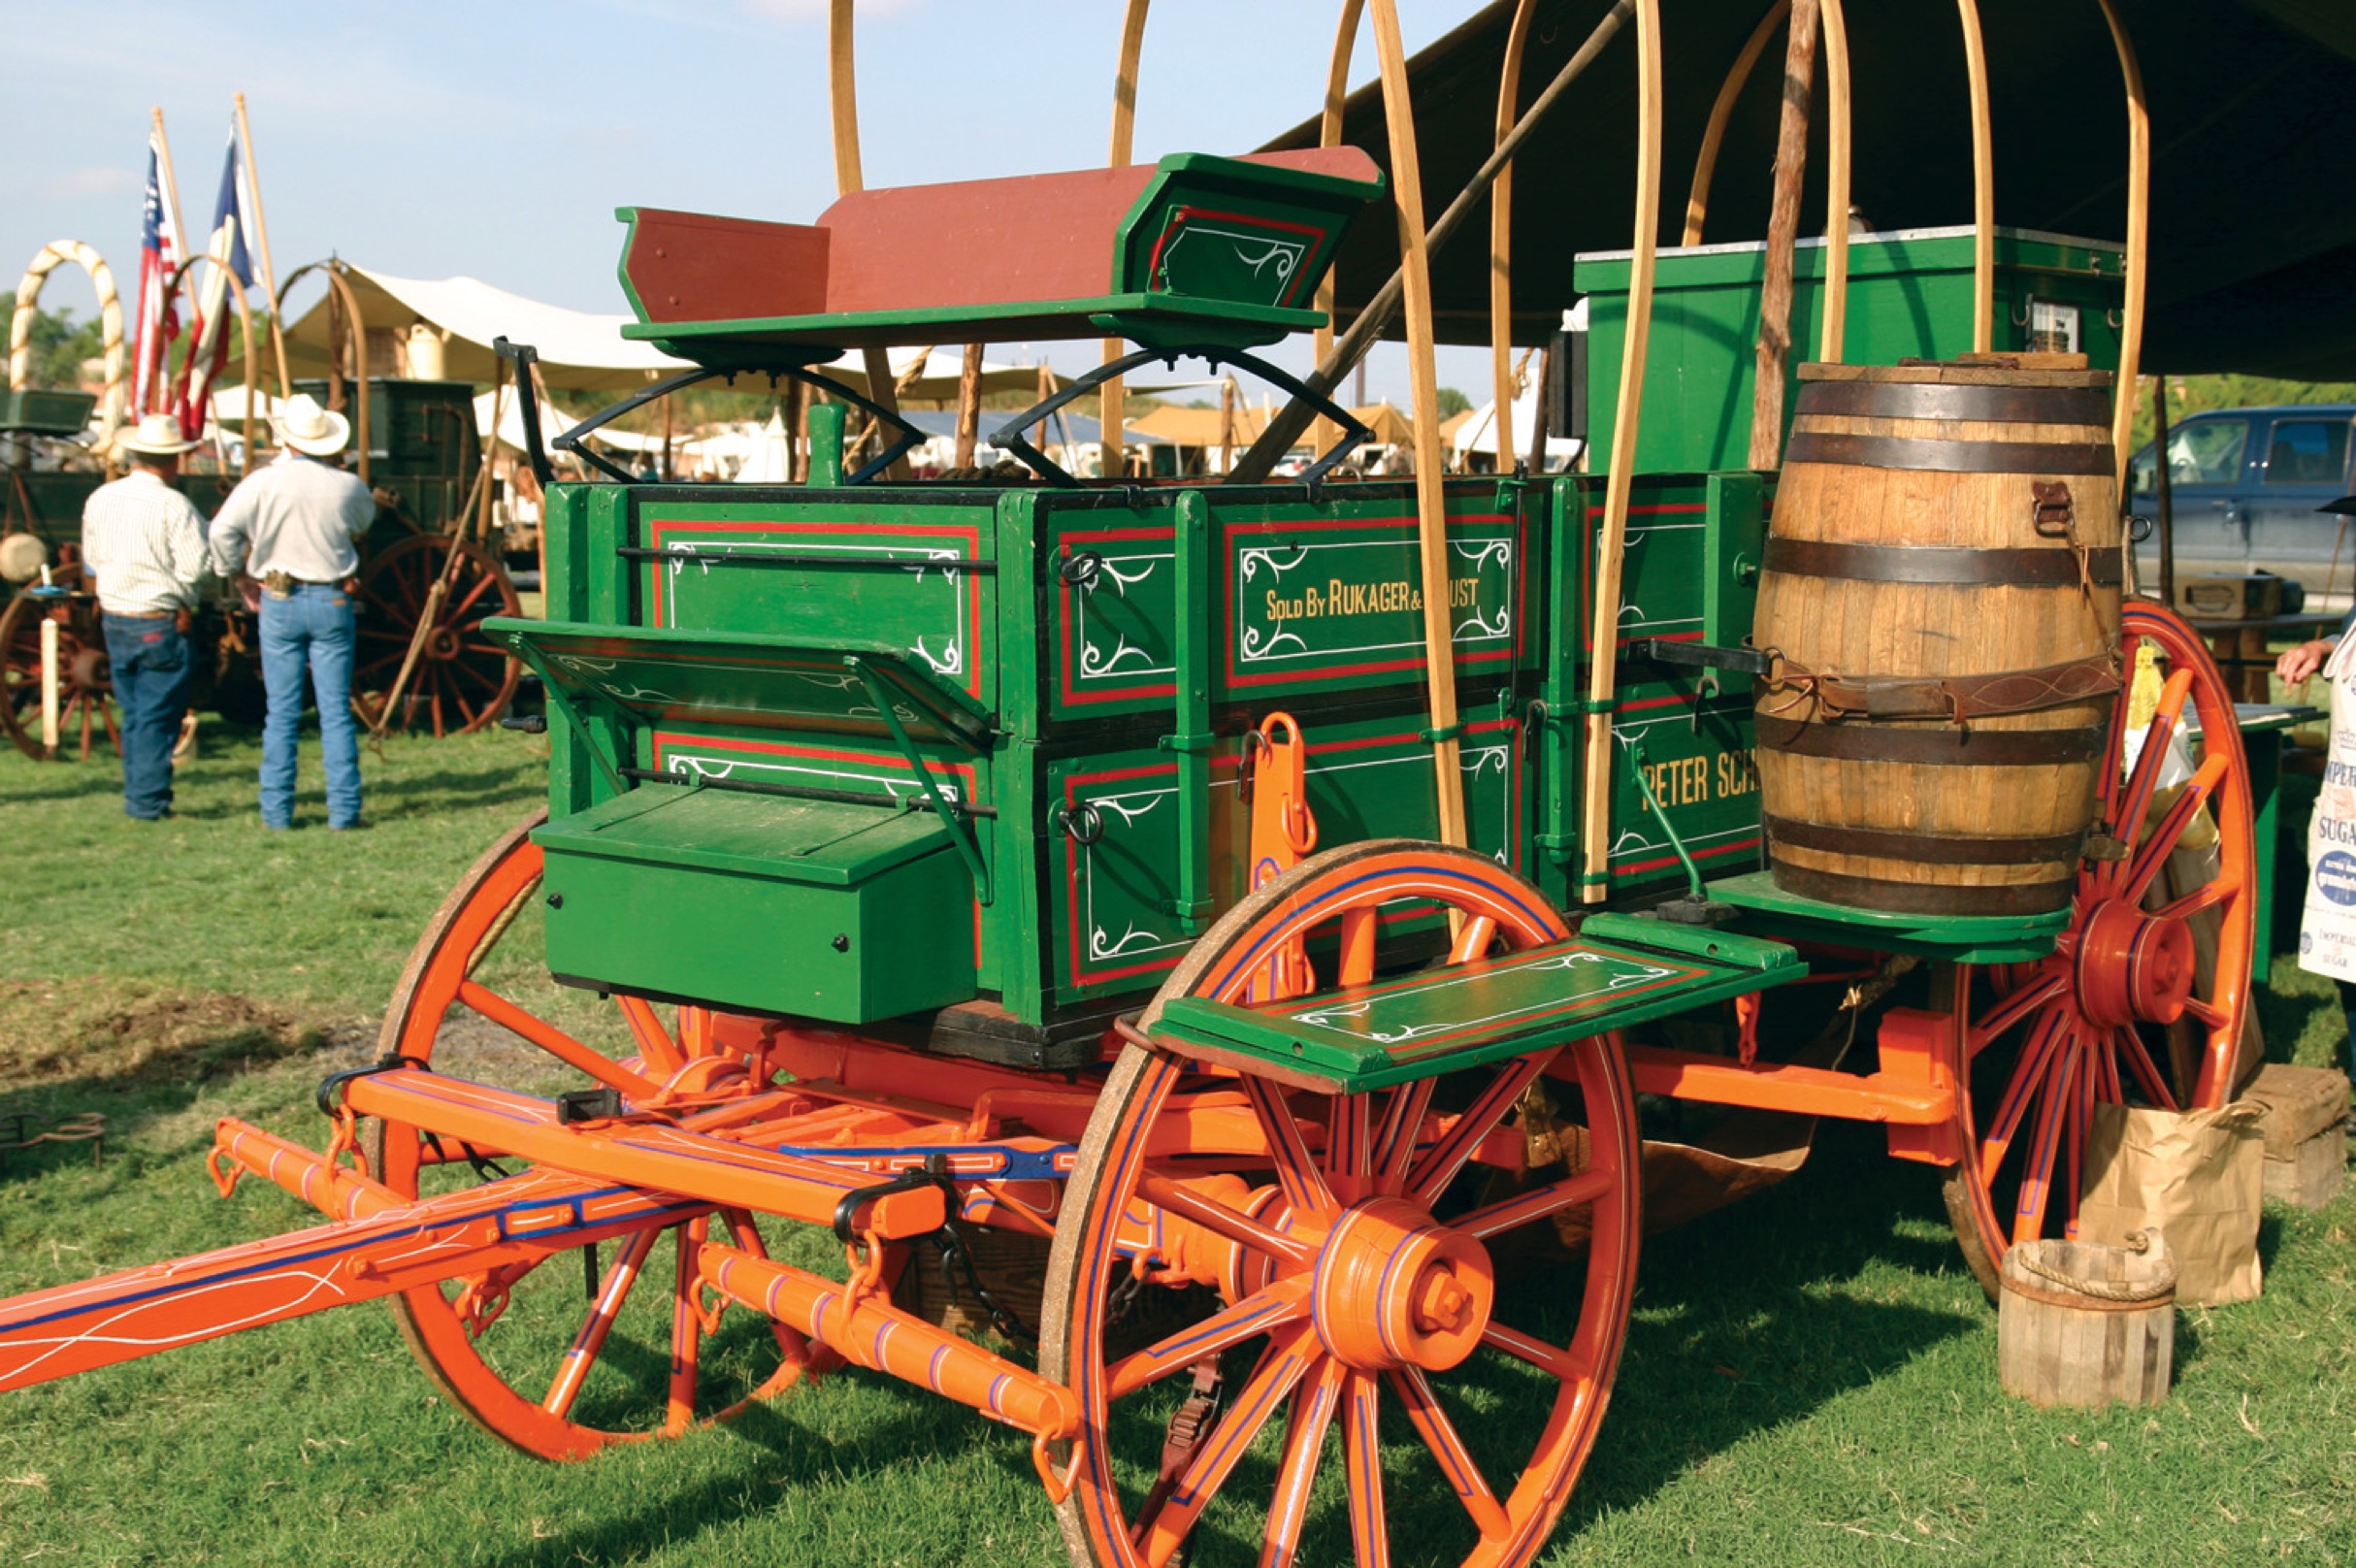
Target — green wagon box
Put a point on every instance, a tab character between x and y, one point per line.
1909	296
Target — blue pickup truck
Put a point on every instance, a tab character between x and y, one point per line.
2246	483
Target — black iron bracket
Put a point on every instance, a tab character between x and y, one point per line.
1010	436
1699	656
527	401
571	440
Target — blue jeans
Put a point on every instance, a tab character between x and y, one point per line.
314	627
151	672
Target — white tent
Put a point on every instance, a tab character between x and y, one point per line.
1479	434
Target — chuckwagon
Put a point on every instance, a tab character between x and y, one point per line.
1102	863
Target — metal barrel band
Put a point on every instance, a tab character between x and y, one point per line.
1919	746
1937	400
1923	455
1924	897
1940	566
1929	848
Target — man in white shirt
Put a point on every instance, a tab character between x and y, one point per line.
295	525
144	542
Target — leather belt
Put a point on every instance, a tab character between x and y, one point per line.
2038	567
1921	746
1930	456
1957	698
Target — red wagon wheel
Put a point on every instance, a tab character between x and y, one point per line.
461	680
1358	1306
2044	1042
85	694
557	1362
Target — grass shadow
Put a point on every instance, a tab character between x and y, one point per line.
1751	1317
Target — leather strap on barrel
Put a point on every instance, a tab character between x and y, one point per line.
1933	565
1933	849
1925	897
1921	746
1949	456
1930	400
1957	698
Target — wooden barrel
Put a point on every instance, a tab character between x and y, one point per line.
2082	1323
1941	596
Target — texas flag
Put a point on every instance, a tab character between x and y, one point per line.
209	333
159	252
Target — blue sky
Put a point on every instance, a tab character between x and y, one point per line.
428	138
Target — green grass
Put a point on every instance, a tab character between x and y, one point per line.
1810	1377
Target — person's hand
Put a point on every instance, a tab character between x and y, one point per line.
249	590
2302	661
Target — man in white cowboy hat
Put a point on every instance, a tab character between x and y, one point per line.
295	525
144	542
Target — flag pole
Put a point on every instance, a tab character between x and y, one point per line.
161	377
261	240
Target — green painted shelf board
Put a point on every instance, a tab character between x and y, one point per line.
1961	938
832	843
1420	1026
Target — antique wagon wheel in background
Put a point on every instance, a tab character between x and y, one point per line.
461	682
85	694
555	1360
2044	1042
1353	1271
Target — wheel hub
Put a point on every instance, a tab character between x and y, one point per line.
89	668
442	644
1395	1289
2133	967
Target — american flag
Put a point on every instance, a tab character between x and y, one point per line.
159	252
209	332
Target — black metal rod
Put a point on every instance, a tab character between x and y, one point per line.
805	792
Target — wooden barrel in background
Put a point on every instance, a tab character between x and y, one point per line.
1942	583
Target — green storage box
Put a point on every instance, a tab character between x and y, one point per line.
1910	296
823	909
35	413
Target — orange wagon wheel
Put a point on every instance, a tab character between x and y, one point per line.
1361	1332
2044	1042
557	1360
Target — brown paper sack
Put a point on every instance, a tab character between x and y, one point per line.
2199	1176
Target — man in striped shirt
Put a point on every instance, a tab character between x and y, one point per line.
145	544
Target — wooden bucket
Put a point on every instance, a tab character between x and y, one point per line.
1940	597
2082	1323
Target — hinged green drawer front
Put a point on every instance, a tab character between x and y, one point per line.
814	908
1423	1025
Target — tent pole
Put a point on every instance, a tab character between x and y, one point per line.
1772	353
261	244
1321	432
1737	75
1832	326
1111	407
1983	184
969	407
842	100
2139	241
1286	428
1501	234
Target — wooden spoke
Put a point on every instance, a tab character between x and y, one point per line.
1349	1134
2024	1081
1362	1455
1430	1177
2208	896
1473	942
1312	1413
2208	1013
2146	1071
654	1041
1402	1124
1439	1435
620	1276
1551	1359
1295	1171
1496	1219
2014	1006
1288	1359
553	1041
2127	820
1189	1203
2044	1142
2162	840
1260	1313
1356	964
